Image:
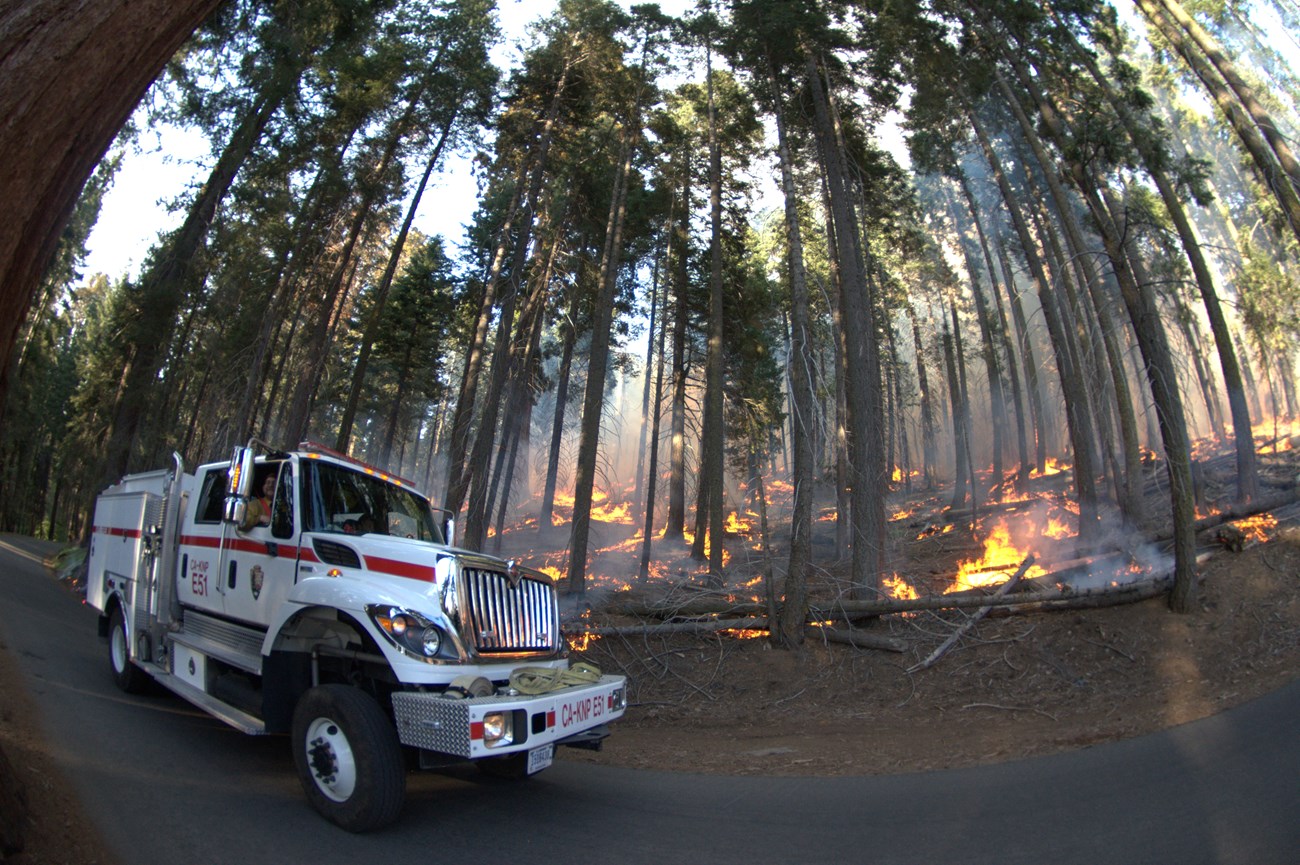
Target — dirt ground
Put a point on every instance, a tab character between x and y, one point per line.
1016	686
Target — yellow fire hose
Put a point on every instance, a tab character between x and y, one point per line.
540	680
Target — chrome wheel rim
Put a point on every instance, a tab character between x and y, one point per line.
330	760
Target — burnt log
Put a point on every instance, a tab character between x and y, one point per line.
1241	511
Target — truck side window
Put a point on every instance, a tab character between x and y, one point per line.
282	508
213	498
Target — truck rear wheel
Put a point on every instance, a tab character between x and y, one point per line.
126	675
348	758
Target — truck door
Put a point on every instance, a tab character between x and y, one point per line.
260	562
203	535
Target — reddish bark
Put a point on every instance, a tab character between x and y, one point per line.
71	72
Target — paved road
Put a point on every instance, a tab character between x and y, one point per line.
167	784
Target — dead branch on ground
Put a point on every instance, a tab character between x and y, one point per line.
980	614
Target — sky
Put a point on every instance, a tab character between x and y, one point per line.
135	208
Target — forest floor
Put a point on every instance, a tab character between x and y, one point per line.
1017	685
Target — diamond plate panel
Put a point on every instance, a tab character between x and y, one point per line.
432	722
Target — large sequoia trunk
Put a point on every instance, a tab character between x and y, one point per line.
71	72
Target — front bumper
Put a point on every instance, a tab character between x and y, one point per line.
435	723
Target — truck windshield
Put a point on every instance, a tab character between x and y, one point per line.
346	501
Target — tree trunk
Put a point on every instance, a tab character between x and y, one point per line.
463	418
999	329
557	424
371	331
1163	378
304	394
865	405
1076	398
597	371
788	630
166	285
1247	485
1028	358
1280	181
709	507
675	528
652	470
71	73
929	445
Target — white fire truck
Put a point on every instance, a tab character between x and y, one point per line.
307	593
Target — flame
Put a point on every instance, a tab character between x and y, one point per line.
1052	466
580	642
1001	557
1057	529
1274	435
736	525
900	589
602	510
745	633
1258	526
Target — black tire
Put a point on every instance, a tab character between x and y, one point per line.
126	675
348	758
511	767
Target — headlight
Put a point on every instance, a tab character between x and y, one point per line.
412	633
498	729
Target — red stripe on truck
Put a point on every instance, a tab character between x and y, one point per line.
400	569
118	533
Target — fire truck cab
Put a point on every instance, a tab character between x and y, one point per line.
306	593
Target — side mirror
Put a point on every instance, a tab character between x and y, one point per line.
449	531
241	473
239	485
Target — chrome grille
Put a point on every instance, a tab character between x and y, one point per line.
501	617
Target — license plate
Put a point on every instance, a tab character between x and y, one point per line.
540	758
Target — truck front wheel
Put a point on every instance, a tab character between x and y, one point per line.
348	757
126	675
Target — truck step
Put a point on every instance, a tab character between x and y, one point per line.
235	717
236	645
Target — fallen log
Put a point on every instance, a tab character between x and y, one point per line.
857	638
953	515
852	636
1131	593
1240	511
1029	591
971	622
704	606
709	626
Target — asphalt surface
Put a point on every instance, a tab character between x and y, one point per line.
166	783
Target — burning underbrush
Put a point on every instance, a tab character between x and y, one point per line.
693	645
940	558
1016	546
